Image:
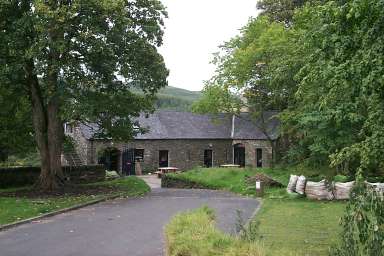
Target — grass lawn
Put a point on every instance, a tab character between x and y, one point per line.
301	227
288	225
15	208
194	233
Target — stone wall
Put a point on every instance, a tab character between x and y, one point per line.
250	151
183	154
83	147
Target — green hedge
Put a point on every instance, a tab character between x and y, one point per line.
24	176
172	181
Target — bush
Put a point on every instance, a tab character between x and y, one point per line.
18	176
363	224
194	233
24	176
177	181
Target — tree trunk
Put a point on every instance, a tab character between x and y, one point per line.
48	134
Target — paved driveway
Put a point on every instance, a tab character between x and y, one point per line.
129	227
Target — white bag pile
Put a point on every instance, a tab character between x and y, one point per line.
341	190
319	190
291	188
379	187
324	190
300	185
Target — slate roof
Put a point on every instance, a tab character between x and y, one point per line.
185	125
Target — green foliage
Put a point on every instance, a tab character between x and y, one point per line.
217	99
29	159
280	10
339	111
84	56
16	132
251	65
173	98
322	69
194	233
179	93
363	224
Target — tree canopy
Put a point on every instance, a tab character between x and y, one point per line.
322	71
77	61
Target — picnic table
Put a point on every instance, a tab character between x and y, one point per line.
163	170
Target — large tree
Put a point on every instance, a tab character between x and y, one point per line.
281	10
16	131
77	60
259	67
339	109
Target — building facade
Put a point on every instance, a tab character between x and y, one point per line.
182	140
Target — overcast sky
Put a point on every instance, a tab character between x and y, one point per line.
194	30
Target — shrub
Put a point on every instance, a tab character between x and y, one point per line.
194	233
363	224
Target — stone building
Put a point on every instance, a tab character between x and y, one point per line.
180	139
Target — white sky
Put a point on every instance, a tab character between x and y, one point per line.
194	30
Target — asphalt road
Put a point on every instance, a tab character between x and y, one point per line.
122	227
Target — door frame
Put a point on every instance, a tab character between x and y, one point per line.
128	162
240	156
211	164
160	152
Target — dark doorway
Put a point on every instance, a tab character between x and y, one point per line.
239	155
128	162
109	157
163	158
259	157
208	158
139	154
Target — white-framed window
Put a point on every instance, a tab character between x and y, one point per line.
68	128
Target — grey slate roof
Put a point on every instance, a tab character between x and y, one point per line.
185	125
246	127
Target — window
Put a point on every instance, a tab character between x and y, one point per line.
139	154
259	157
188	154
163	158
68	128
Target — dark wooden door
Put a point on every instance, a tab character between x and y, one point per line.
208	158
239	155
163	158
128	161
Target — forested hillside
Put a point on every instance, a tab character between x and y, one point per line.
172	98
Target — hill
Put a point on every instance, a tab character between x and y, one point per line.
172	98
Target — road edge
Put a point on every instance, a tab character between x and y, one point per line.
50	214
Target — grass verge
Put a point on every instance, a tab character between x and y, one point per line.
15	208
299	226
194	233
287	225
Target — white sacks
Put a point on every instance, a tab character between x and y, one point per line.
341	190
291	188
300	185
318	190
379	187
